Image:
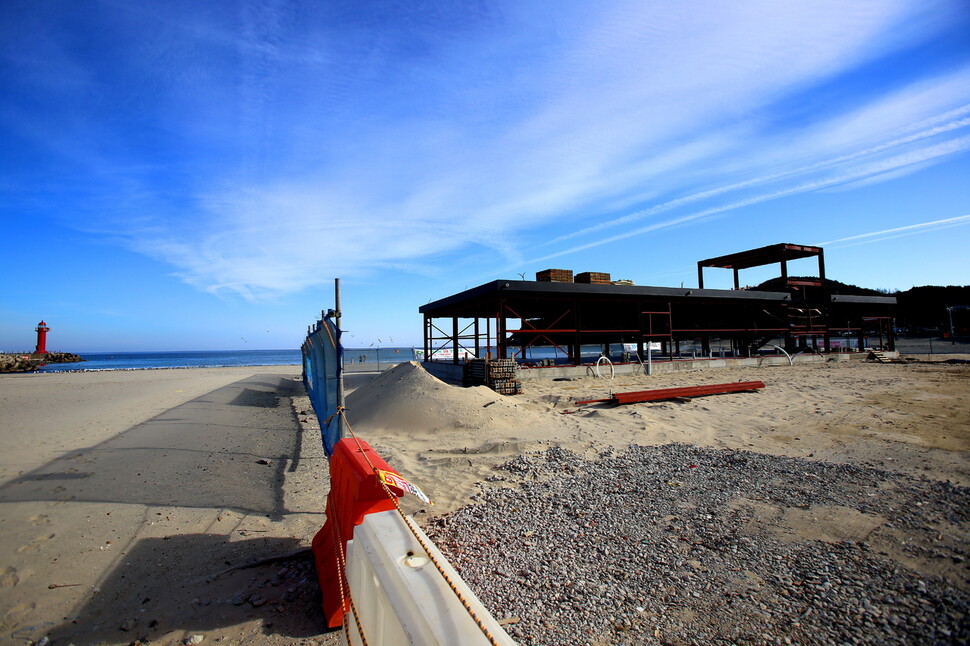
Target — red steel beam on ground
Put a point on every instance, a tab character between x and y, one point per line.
739	329
672	393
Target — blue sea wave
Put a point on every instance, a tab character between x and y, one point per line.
97	361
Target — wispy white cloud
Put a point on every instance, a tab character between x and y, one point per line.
288	147
893	115
897	163
895	232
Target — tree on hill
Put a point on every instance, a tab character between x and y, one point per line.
918	310
833	286
925	307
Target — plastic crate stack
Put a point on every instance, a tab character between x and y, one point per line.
498	374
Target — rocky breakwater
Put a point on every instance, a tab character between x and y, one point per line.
27	362
61	357
18	363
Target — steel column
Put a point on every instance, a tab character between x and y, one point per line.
640	319
427	337
478	345
577	357
454	340
500	340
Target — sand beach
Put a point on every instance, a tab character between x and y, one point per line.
128	497
134	503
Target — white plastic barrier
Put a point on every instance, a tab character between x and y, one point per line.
400	596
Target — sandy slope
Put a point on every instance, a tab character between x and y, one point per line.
913	418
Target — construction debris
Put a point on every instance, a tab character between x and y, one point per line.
498	374
555	276
880	357
593	278
676	393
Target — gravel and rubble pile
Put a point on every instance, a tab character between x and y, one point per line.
669	544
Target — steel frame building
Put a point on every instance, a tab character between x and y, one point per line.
569	315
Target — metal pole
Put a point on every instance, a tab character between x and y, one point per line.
949	311
340	369
454	340
649	358
478	341
488	338
427	338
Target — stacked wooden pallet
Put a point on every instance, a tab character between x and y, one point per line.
875	355
498	374
555	275
593	278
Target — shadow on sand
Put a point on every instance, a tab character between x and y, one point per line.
186	584
226	450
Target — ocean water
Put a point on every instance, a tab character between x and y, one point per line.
372	357
145	360
217	359
380	355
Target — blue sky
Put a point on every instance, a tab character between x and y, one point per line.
184	175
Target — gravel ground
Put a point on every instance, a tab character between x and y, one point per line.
677	544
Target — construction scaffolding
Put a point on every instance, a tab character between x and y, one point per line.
508	317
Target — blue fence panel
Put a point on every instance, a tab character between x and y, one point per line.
322	358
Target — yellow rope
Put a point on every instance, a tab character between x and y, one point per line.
327	328
338	542
339	411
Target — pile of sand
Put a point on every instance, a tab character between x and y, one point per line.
414	404
443	437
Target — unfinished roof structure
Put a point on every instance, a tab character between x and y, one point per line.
513	315
776	253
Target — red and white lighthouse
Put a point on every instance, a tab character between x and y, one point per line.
42	331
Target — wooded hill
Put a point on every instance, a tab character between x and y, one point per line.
920	310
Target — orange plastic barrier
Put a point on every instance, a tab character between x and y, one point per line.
355	491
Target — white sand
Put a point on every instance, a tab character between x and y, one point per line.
46	414
911	418
114	569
